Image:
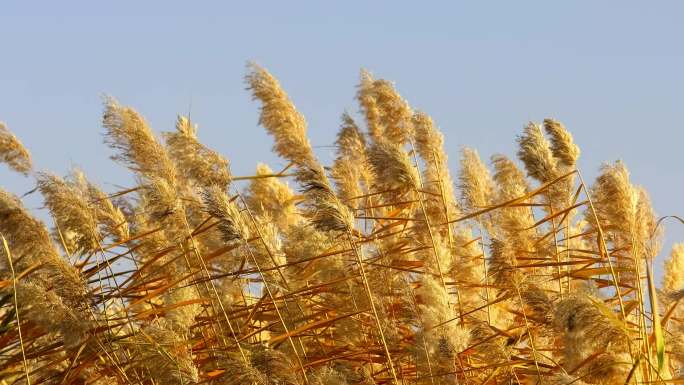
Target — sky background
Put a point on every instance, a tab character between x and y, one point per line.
610	70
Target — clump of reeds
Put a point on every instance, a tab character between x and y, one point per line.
375	270
12	151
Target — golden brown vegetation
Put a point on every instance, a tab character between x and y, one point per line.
375	270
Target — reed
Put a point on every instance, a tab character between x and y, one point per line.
378	269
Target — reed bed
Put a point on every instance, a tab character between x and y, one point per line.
381	268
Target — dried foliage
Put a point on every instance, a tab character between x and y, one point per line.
377	270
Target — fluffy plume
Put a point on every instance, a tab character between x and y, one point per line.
160	205
673	279
535	152
56	287
439	345
111	218
546	161
219	206
270	196
429	141
436	310
616	202
563	147
166	355
13	153
350	141
387	113
467	269
288	127
48	310
348	182
392	167
502	263
351	170
512	222
183	309
510	180
27	237
140	150
369	105
322	205
280	117
430	147
239	372
329	376
302	240
30	243
273	364
476	183
194	161
587	327
72	213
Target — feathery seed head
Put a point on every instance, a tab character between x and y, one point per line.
503	263
140	150
13	152
71	210
387	113
616	200
510	180
350	141
586	326
476	182
369	105
194	161
322	205
437	177
350	170
110	217
348	179
673	279
428	139
165	354
27	237
191	305
219	206
273	364
392	167
328	376
563	147
48	310
535	152
30	244
181	316
271	197
512	221
280	117
238	372
161	205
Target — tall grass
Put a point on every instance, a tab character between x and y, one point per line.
378	269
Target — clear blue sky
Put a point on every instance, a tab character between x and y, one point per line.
610	70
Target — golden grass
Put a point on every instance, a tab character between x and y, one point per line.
376	270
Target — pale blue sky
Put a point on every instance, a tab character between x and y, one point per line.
610	70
